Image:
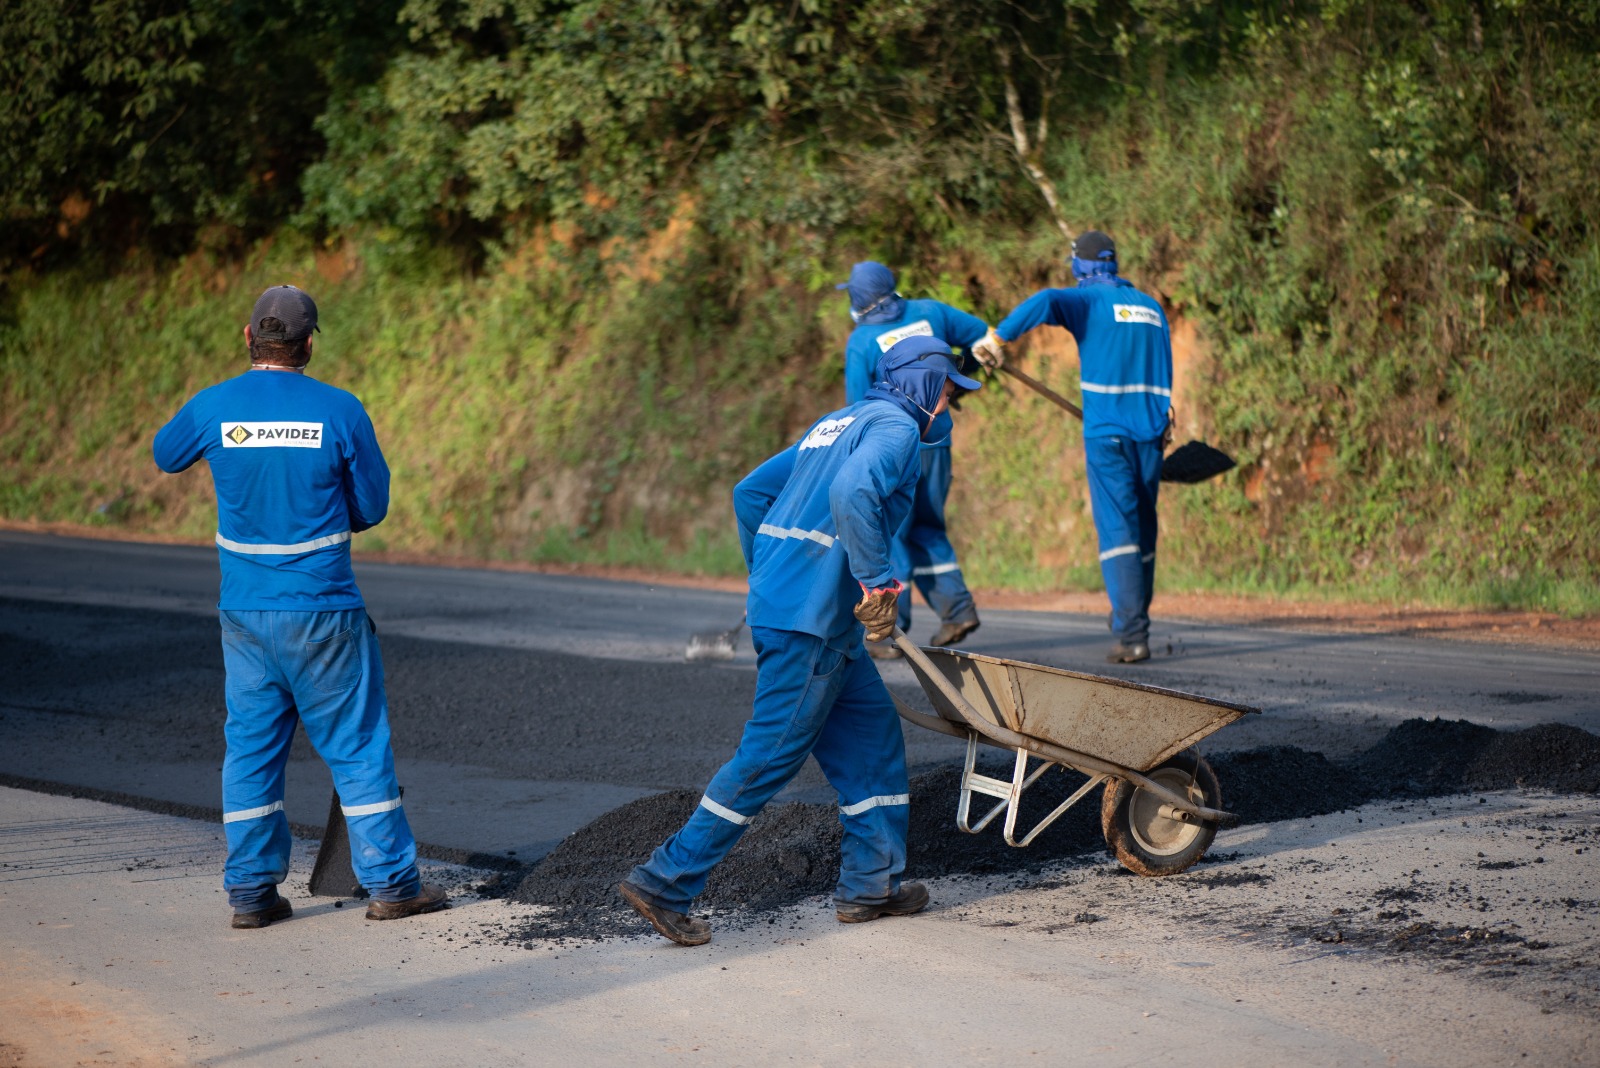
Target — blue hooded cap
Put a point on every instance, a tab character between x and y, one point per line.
872	295
911	375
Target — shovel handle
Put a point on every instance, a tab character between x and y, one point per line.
1043	390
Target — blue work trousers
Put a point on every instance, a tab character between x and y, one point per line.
922	555
1124	477
321	669
810	700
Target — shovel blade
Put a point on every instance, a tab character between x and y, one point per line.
1195	461
716	646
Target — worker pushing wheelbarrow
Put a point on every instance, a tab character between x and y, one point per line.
1162	804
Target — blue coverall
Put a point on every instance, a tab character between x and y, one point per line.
922	551
297	469
1125	370
815	523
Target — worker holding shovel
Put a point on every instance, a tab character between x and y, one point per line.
1125	366
815	523
923	555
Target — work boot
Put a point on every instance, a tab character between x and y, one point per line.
951	633
884	650
682	929
431	899
910	898
278	910
1129	654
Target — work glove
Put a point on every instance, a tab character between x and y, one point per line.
990	350
879	609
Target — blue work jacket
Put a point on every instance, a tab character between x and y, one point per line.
1124	354
816	520
297	470
930	318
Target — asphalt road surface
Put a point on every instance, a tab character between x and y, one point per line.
525	705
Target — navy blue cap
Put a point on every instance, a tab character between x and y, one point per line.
870	281
292	307
1094	245
929	351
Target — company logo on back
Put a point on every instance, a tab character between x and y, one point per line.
1136	313
826	433
277	435
920	328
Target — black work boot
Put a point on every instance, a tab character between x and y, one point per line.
910	898
263	917
431	898
953	632
1129	654
684	930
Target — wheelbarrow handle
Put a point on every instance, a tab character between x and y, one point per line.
1010	739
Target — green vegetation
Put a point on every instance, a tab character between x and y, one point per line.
578	258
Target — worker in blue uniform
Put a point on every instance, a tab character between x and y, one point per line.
816	522
297	470
1125	371
923	555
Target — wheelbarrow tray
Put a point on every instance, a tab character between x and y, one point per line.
1124	723
1101	727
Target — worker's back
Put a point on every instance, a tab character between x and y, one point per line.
800	575
297	469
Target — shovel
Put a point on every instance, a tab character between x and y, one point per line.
1194	461
714	644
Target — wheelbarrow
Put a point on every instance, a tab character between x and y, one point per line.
1162	804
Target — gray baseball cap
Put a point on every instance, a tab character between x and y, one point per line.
290	306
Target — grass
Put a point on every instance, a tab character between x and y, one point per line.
1412	399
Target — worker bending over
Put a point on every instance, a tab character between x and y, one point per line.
1125	368
922	552
815	524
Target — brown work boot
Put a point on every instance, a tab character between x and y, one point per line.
431	899
278	910
910	898
1129	654
682	929
952	633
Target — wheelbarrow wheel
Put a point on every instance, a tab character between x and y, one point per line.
1145	839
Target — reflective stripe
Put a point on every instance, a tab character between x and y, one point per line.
795	532
282	550
1147	557
874	802
252	813
1121	550
721	810
1095	387
370	810
937	569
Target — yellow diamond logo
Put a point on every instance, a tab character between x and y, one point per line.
239	435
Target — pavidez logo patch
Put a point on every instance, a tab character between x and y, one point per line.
920	328
826	433
240	435
1136	313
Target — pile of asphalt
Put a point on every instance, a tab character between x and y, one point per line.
790	852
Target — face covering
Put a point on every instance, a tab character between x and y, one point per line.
886	309
915	389
1097	273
